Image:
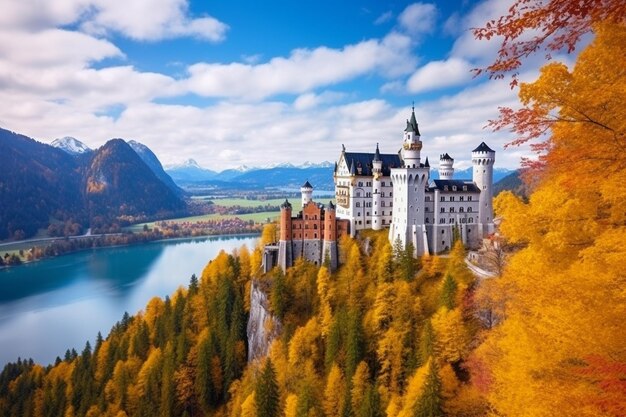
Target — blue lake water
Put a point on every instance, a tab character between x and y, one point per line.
51	305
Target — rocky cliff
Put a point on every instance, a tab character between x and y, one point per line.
263	328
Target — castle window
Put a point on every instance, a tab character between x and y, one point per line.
451	220
427	221
358	194
452	198
454	188
358	204
442	221
427	209
315	235
451	209
383	183
315	226
368	222
465	188
469	198
469	209
442	198
463	220
360	183
427	198
461	209
445	188
442	210
461	198
382	194
470	220
382	204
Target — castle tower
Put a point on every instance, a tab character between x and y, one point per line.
446	168
409	188
307	193
412	144
285	245
483	158
377	171
329	246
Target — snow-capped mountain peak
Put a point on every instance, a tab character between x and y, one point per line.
70	145
309	164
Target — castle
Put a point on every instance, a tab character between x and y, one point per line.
312	234
376	191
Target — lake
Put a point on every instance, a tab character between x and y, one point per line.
54	304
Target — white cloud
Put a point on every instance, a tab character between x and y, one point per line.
440	74
418	18
383	18
304	70
148	20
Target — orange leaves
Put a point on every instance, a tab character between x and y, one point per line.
555	25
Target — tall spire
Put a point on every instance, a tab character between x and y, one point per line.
377	154
413	122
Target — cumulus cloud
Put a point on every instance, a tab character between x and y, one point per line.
304	69
440	74
383	18
418	18
137	19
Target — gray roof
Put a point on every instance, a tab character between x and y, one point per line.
411	126
363	160
483	148
286	204
447	186
307	185
445	156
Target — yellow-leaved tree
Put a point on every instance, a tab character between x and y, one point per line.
561	349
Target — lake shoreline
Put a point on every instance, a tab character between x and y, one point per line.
102	236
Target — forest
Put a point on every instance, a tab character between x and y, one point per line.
389	335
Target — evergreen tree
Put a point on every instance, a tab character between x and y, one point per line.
278	296
193	285
266	393
354	343
427	342
429	403
448	292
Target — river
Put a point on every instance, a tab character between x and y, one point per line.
54	304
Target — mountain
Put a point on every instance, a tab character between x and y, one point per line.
71	145
511	182
41	184
154	164
37	181
119	183
498	173
189	171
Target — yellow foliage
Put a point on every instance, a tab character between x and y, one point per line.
304	344
291	405
451	338
414	391
564	292
334	392
360	383
248	407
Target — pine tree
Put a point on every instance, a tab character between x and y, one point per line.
429	403
448	292
266	393
427	342
278	296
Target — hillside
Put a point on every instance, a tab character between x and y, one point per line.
119	184
150	159
42	185
511	182
356	342
37	182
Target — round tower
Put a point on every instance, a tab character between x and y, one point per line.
412	145
285	245
377	171
446	167
330	252
483	159
285	221
307	193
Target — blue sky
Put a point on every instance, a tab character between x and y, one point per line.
252	83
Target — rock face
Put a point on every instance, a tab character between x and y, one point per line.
262	328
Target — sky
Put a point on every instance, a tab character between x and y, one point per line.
231	83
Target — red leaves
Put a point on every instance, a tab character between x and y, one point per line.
609	376
561	24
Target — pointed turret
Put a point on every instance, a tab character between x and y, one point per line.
377	154
352	169
427	164
307	193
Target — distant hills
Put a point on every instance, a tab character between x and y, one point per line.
286	175
42	184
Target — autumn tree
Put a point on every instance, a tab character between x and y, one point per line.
266	392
